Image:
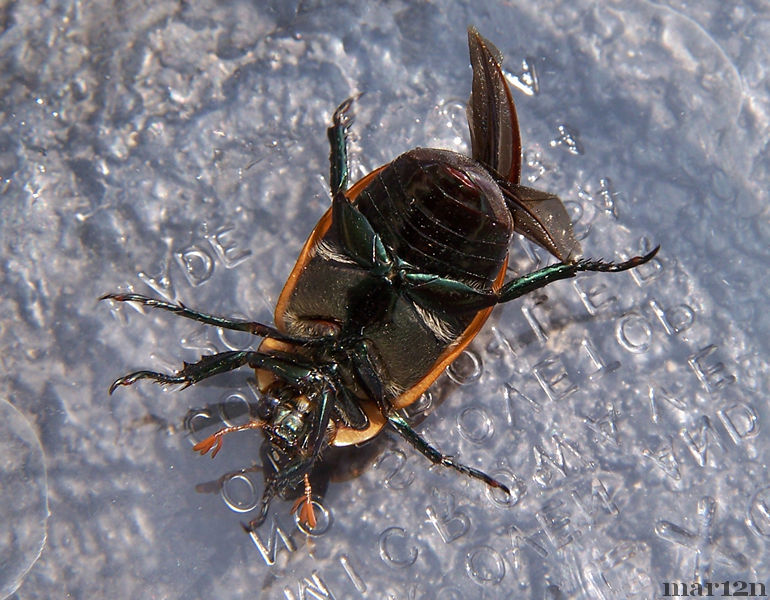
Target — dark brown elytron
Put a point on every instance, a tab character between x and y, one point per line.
395	280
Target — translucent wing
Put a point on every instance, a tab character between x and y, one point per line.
542	218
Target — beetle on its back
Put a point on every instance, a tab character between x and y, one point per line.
413	256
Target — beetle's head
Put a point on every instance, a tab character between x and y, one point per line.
286	413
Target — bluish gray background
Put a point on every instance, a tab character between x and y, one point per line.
179	149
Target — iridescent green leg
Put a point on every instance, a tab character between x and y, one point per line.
542	277
181	310
349	410
450	296
411	436
208	366
356	236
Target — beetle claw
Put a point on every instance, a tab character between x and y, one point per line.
342	116
117	383
132	378
501	486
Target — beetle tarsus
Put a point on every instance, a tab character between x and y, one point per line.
216	364
132	378
434	456
564	270
264	505
449	461
613	267
338	152
191	372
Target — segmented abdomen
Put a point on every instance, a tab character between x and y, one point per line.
440	212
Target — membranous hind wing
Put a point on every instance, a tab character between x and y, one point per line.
541	218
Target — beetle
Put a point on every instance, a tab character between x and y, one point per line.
395	280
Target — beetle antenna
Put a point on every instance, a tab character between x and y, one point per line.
215	440
304	503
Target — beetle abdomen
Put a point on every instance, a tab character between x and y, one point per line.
441	212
